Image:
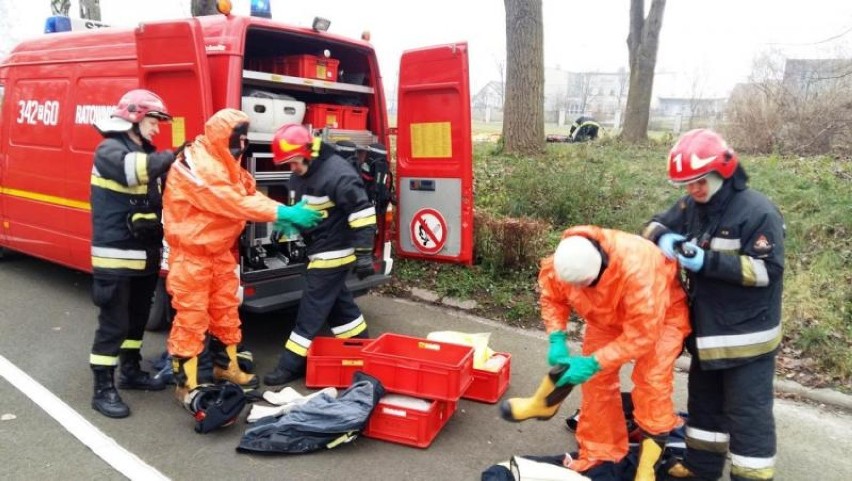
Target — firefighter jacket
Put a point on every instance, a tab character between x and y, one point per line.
631	300
209	197
323	422
334	188
736	296
126	191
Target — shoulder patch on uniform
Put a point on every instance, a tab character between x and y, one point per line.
762	244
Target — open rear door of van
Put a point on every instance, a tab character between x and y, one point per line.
434	155
173	64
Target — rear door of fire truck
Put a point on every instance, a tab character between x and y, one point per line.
173	64
434	155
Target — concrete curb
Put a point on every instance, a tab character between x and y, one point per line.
825	396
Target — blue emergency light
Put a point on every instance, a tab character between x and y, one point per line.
57	23
261	8
61	23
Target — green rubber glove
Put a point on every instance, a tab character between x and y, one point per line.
580	369
298	215
558	347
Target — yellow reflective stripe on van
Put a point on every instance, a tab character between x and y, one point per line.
330	263
47	199
116	187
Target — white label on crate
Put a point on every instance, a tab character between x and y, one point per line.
394	412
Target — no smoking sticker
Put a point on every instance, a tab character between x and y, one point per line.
428	231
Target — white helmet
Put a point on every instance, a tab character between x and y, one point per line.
577	260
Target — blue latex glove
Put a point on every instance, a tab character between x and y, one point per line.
693	263
558	348
666	243
298	215
580	369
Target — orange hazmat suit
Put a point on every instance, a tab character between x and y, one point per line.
207	200
636	311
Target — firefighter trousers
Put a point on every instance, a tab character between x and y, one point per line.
731	409
324	299
124	303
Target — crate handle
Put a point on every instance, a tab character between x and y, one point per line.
429	345
354	343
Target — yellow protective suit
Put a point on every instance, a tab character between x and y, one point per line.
636	311
207	200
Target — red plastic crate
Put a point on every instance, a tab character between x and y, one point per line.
333	361
321	115
355	118
488	386
404	425
420	367
309	66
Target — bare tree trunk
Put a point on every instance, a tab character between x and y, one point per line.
642	43
204	7
90	9
60	7
523	115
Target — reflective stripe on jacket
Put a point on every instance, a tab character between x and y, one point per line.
334	188
125	180
736	297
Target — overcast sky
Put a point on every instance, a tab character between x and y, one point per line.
714	40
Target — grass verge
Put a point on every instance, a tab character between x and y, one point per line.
617	186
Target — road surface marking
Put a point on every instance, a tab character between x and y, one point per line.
104	446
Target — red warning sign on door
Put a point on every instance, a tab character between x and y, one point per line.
428	231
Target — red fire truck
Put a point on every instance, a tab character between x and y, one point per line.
53	88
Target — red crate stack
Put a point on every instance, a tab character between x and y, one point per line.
432	373
332	361
489	386
308	66
322	115
398	421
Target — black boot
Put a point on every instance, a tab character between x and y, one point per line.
106	399
284	372
131	375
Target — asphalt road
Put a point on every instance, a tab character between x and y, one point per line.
47	322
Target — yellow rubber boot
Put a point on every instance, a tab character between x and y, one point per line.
649	453
186	377
543	404
233	373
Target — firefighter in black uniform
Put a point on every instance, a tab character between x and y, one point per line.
730	241
343	240
126	239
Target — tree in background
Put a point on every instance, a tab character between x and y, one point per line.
60	7
90	9
203	7
523	111
642	44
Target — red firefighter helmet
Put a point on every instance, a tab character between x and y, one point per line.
139	103
291	141
698	153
